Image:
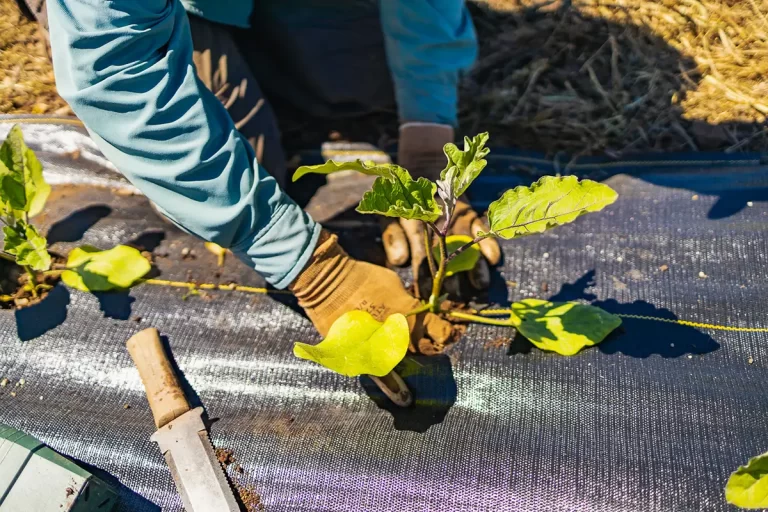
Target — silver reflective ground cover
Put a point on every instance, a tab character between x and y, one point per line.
653	419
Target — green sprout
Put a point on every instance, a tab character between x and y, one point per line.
552	201
23	193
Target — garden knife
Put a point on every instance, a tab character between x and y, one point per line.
181	434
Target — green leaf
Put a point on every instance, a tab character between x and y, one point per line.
367	167
400	196
358	344
394	193
468	163
28	246
563	327
22	186
549	202
464	261
748	486
92	270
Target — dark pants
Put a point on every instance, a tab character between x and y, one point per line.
294	65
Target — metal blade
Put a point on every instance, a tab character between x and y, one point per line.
198	474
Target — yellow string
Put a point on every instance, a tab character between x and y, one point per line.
700	325
485	312
211	286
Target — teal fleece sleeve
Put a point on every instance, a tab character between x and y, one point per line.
428	43
125	67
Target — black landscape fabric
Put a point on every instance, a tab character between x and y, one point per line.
653	419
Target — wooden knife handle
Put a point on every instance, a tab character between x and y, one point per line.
164	393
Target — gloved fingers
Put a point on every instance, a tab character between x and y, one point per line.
488	246
414	232
463	217
395	242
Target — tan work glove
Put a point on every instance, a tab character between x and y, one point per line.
420	150
333	283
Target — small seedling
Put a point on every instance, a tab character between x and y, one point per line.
564	328
23	193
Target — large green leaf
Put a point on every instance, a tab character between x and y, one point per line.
464	261
358	344
468	163
549	202
27	245
748	486
22	186
92	270
367	167
394	193
563	327
400	196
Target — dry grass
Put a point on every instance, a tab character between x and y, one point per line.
26	78
621	76
584	77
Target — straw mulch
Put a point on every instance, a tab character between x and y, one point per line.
26	77
581	76
621	76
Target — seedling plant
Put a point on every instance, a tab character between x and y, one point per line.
23	193
358	344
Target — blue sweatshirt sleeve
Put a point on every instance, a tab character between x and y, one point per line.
428	43
125	67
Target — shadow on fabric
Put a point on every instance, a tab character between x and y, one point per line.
47	314
189	392
73	227
115	304
430	379
129	501
636	337
148	241
732	202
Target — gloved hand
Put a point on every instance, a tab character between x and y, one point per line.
420	150
333	283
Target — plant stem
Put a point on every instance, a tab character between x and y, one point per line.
8	257
467	246
32	280
512	321
437	282
424	307
428	247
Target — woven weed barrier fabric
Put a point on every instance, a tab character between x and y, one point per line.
653	419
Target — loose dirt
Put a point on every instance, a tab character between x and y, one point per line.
14	292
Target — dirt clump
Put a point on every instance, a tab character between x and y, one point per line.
15	291
250	499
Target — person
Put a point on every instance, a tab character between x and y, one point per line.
181	97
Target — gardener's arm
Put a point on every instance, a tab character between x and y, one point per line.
125	67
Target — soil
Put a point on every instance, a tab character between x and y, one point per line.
250	499
225	456
443	336
13	280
